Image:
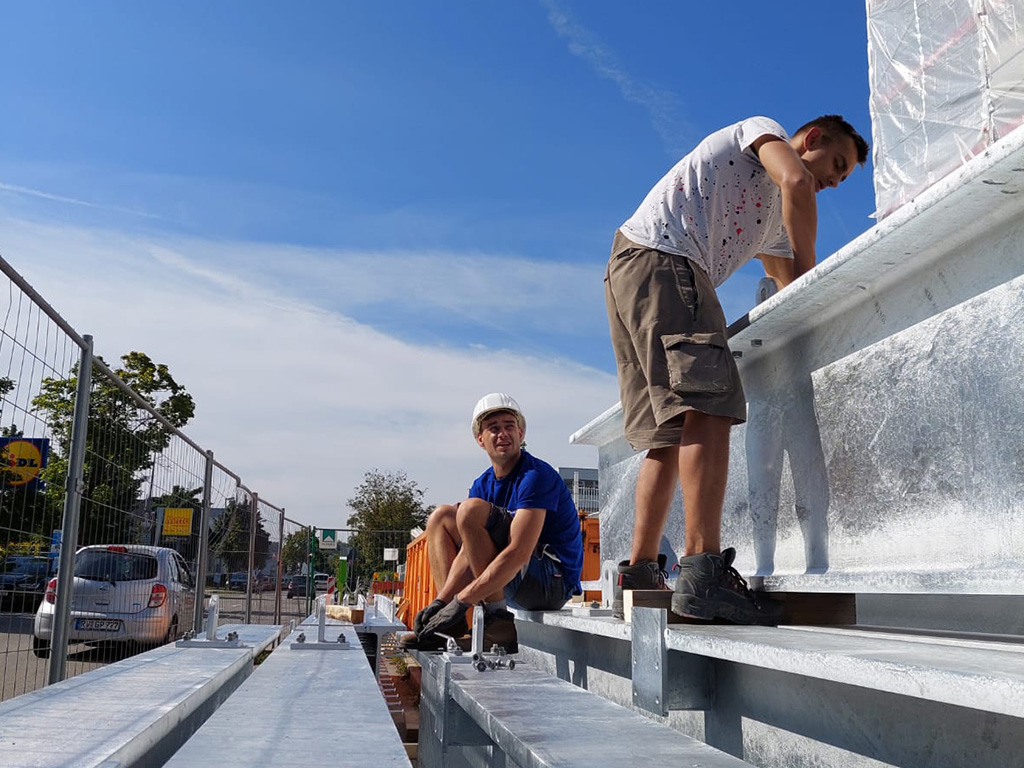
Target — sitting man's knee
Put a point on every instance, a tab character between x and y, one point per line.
442	515
473	512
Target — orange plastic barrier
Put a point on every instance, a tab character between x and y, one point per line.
419	587
591	529
385	587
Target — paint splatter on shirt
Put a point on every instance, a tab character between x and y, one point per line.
717	206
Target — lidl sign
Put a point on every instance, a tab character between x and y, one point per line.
178	521
22	459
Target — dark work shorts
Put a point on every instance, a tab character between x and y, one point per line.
539	585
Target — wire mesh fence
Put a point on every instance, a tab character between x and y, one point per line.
33	350
100	490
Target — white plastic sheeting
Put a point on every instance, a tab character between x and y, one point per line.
947	81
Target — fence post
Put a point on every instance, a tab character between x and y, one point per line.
204	545
280	567
310	581
254	519
69	527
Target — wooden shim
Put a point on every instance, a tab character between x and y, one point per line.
822	609
345	613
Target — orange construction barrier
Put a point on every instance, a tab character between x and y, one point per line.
591	531
419	588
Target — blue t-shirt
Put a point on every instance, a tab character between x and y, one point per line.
534	484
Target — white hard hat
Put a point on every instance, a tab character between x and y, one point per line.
496	401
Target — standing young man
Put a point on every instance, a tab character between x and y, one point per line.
746	191
516	539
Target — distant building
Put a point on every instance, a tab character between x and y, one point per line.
583	485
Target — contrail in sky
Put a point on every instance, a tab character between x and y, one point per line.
661	105
71	200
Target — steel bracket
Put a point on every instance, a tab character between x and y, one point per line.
664	681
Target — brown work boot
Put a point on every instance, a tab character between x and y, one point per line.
645	574
412	641
709	588
500	630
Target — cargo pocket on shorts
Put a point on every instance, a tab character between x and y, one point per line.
698	362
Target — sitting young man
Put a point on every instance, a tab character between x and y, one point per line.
516	539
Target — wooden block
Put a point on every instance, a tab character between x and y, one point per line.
345	613
649	598
821	609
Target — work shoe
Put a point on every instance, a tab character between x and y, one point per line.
433	642
500	630
645	574
708	587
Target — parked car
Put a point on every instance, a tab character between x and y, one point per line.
123	593
298	583
297	586
23	580
268	581
238	580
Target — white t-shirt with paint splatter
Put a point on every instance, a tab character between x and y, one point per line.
717	206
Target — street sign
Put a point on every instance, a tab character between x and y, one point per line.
55	539
328	538
391	554
178	521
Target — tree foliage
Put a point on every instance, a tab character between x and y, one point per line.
229	537
122	443
295	550
383	502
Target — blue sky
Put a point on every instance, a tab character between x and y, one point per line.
440	178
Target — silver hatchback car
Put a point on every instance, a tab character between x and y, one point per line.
127	593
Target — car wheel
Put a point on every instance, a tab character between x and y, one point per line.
172	631
40	647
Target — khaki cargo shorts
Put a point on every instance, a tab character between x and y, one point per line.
669	336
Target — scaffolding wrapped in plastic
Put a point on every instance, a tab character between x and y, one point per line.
947	81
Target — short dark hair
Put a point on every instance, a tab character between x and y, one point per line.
834	125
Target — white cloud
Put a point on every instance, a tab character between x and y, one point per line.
495	291
299	400
661	105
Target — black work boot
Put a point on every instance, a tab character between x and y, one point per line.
708	587
500	630
432	642
645	574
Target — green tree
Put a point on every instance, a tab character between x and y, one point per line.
387	503
121	444
229	537
295	550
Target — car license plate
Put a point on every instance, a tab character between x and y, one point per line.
98	625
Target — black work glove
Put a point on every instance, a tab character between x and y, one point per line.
425	615
448	620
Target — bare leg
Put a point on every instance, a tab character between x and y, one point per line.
443	542
703	471
655	487
477	546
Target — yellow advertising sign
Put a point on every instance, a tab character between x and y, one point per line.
22	460
178	521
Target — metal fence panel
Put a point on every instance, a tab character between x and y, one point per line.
34	350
